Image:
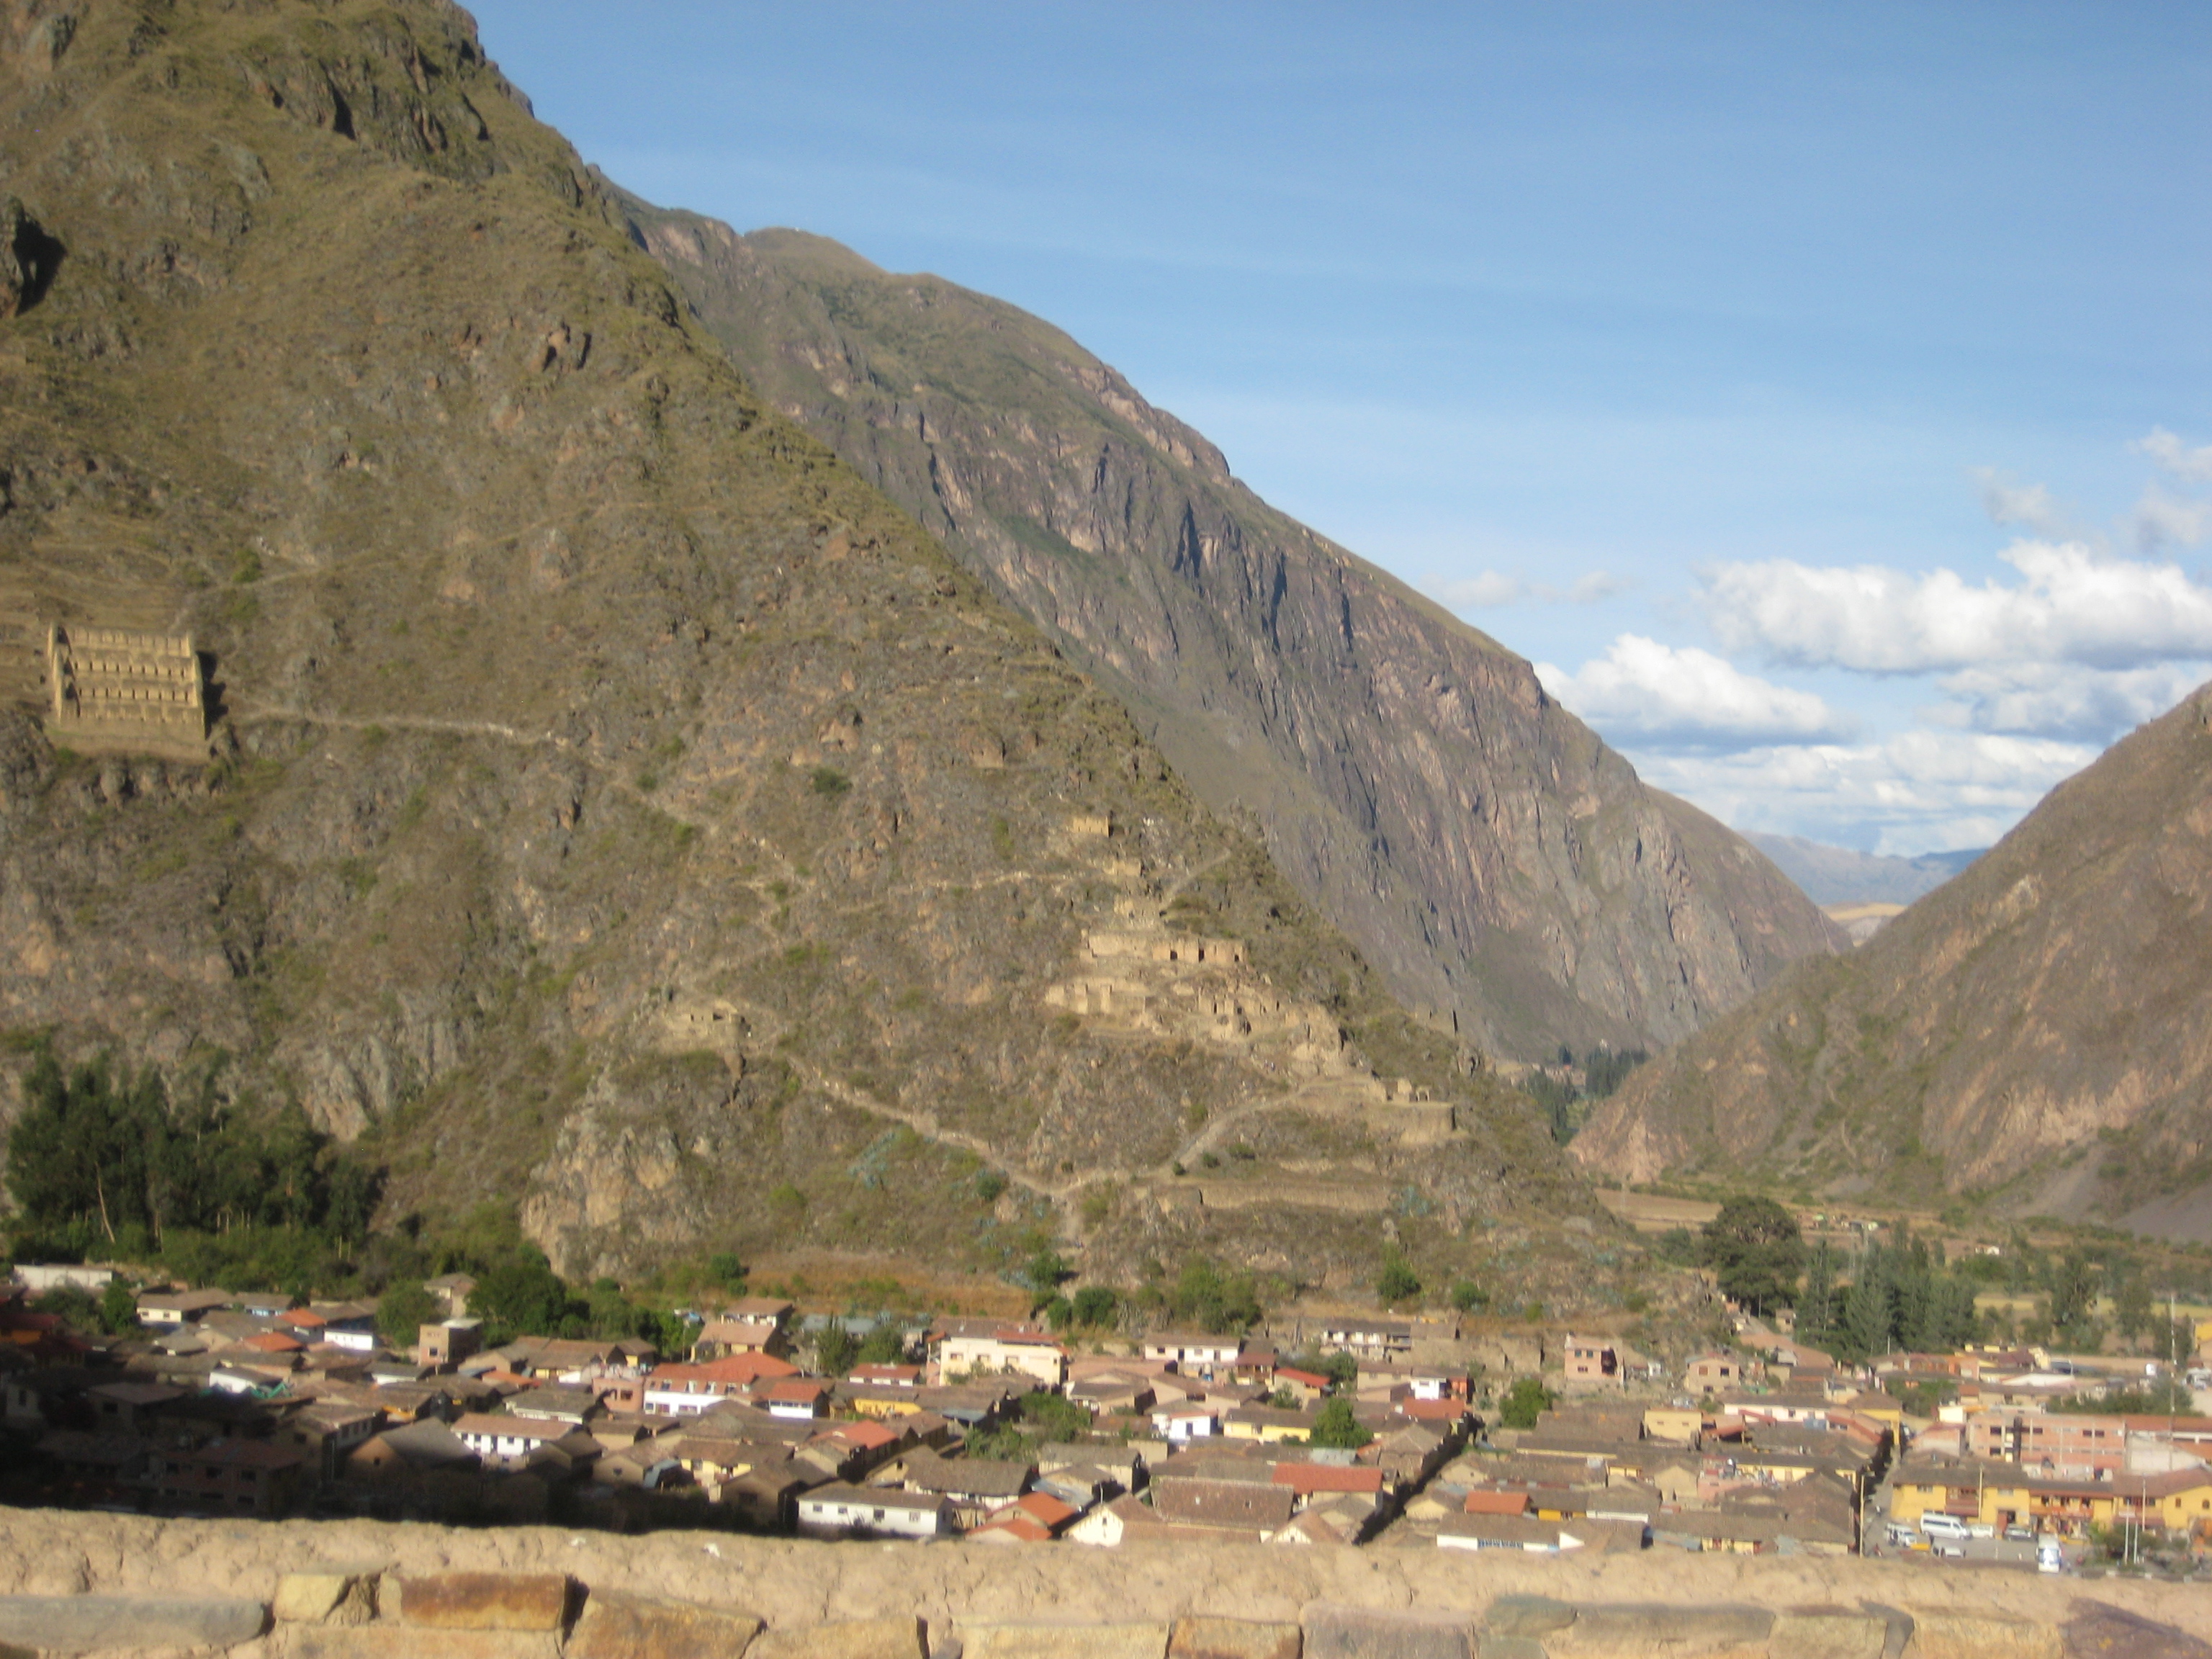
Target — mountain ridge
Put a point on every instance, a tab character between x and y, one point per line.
1496	862
1842	875
620	810
2029	1036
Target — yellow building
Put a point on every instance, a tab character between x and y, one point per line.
1998	1495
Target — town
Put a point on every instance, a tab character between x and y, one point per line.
1423	1432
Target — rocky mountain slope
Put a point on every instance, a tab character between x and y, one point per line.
2037	1033
1842	875
621	809
1495	861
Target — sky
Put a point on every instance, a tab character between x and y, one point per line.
1819	396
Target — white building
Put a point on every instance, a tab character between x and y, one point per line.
840	1507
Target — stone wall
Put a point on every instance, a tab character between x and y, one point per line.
99	1584
110	691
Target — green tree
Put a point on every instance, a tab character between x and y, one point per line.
1043	1273
1096	1306
1335	1425
1866	1325
2131	1307
1466	1296
1397	1282
2074	1297
1059	1313
119	1307
523	1296
402	1310
1526	1400
834	1350
1756	1251
1818	1305
883	1346
1204	1297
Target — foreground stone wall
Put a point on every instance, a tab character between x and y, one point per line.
100	1584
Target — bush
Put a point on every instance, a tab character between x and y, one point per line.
1524	1402
1336	1427
1397	1282
1095	1306
402	1310
1466	1296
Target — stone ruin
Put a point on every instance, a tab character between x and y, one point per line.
114	691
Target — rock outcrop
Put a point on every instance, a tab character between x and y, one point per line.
1495	861
2036	1033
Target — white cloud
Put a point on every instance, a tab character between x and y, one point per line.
1495	588
1594	586
2071	605
2063	700
1641	690
2162	520
2030	505
2191	466
1492	587
1918	792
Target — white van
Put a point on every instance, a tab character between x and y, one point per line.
2049	1558
1946	1527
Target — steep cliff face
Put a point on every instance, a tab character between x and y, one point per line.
620	809
1495	861
2037	1032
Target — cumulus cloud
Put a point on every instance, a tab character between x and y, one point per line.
1494	588
2189	465
1641	690
2071	604
2063	700
1918	792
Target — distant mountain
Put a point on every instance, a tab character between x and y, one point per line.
2033	1033
1837	875
1498	863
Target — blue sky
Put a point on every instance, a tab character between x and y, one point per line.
1819	395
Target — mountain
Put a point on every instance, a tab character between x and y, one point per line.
1838	875
618	810
1499	865
2031	1035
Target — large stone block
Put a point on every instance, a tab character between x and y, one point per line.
1829	1633
88	1623
487	1601
616	1624
1527	1615
1064	1640
1233	1638
1342	1633
390	1641
1636	1630
1952	1635
2100	1630
859	1638
325	1597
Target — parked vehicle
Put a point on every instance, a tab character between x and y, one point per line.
1948	1527
1901	1535
2018	1535
2049	1558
